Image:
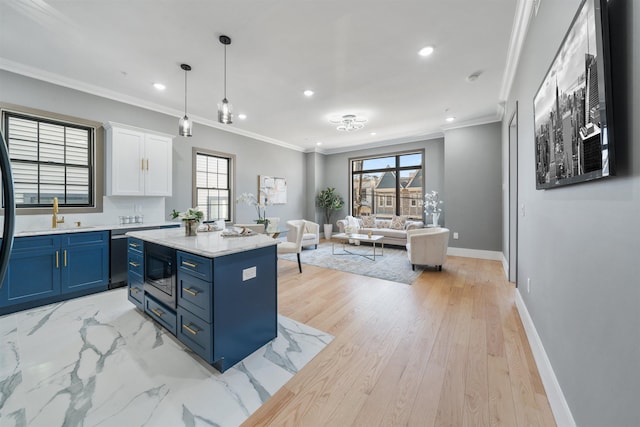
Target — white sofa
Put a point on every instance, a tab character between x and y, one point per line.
382	228
428	246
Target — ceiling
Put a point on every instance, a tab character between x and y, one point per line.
359	57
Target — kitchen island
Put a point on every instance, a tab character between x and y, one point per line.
216	294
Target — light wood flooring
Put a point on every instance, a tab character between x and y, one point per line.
448	350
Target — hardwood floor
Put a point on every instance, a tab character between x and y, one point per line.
448	350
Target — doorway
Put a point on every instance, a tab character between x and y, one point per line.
513	197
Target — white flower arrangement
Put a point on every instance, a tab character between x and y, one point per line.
432	203
261	207
191	214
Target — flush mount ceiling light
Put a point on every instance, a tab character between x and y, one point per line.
426	51
225	113
348	122
185	127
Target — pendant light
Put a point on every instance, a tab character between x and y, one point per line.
225	113
185	128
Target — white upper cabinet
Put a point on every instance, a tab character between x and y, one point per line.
139	162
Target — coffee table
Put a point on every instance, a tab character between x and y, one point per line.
344	238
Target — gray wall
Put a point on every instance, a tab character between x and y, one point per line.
473	186
336	169
253	157
579	244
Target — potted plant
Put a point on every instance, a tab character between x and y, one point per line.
329	201
433	206
191	218
261	207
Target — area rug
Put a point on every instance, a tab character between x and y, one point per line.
394	265
97	361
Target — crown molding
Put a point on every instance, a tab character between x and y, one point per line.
385	143
521	21
38	74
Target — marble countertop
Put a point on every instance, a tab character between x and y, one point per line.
86	228
207	244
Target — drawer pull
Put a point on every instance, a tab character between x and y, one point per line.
190	292
190	329
57	259
135	290
133	245
65	257
157	312
189	264
134	264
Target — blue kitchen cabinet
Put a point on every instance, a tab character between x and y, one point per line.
85	261
135	272
51	268
34	271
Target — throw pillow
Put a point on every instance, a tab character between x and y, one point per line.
384	224
397	222
369	221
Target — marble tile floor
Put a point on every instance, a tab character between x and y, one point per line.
97	361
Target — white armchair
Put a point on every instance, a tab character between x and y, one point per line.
427	246
310	232
289	247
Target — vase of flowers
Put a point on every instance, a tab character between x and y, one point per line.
433	206
191	219
261	207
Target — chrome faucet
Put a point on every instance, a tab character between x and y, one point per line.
55	220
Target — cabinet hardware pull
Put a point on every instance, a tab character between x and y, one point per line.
147	164
136	290
190	292
57	259
189	264
193	331
133	245
65	257
157	312
142	165
134	264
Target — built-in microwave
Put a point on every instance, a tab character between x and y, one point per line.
160	273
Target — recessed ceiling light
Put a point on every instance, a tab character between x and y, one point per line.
159	86
242	116
308	93
318	143
450	119
426	51
373	134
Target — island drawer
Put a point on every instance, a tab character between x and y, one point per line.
135	245
196	334
136	292
195	265
195	295
160	314
134	263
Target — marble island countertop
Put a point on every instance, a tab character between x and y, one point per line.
208	244
72	228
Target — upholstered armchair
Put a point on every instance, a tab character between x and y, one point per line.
310	232
427	246
293	247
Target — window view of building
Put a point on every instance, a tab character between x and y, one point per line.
387	186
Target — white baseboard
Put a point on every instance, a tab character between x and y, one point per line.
475	253
505	266
559	405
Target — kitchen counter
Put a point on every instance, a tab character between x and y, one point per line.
207	244
85	228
